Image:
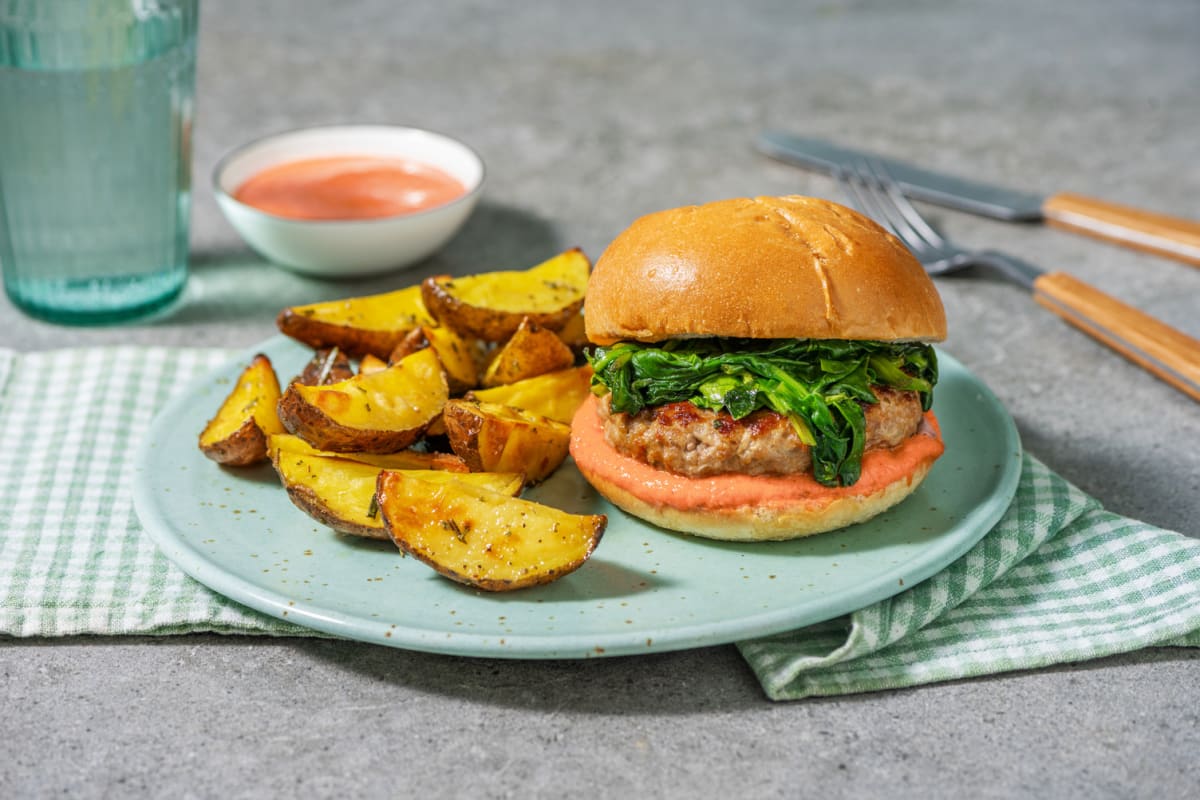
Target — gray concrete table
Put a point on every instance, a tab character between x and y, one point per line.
589	114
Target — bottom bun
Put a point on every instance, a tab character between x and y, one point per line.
738	507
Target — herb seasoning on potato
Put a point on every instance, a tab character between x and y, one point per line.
237	435
489	365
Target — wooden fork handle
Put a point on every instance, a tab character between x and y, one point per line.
1165	235
1169	354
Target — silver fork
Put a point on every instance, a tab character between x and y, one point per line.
1169	354
879	197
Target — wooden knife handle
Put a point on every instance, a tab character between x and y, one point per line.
1173	237
1171	355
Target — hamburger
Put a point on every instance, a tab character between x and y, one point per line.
762	369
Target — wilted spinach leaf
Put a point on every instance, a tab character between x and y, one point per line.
818	384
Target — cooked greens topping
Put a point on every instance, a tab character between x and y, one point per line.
818	384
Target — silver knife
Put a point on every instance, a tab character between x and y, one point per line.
1165	235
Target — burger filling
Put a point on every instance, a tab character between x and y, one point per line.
700	407
698	442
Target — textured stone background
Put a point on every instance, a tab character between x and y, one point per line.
589	114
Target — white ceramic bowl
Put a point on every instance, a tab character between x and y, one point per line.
348	248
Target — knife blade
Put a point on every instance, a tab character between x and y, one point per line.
1173	237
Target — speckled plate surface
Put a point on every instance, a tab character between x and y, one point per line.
644	589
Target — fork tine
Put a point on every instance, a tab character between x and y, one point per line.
903	206
870	196
862	196
886	211
852	189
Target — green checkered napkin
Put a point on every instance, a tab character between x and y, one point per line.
73	558
1058	579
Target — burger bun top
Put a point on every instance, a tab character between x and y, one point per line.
763	268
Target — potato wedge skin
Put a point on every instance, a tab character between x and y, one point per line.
243	448
484	539
347	416
556	395
413	341
340	493
496	438
237	435
310	423
328	365
281	443
531	350
549	294
461	356
372	324
335	492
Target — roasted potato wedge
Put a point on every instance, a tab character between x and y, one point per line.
556	395
371	363
328	365
496	438
484	539
532	350
491	305
379	412
286	443
573	335
237	435
437	427
341	493
461	356
358	325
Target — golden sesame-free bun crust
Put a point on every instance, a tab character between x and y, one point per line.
764	268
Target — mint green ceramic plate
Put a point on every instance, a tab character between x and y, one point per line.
644	589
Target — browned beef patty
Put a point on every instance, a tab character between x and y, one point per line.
696	442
